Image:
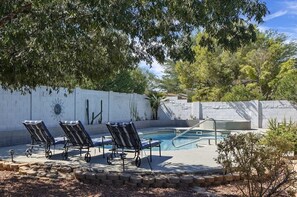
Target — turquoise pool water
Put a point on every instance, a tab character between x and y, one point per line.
167	136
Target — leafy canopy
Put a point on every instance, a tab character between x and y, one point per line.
66	43
125	80
265	69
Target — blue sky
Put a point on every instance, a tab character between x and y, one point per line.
282	18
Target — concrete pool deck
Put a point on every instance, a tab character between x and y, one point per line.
194	160
197	160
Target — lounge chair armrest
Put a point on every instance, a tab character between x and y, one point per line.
107	137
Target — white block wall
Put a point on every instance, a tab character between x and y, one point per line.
94	98
231	111
280	110
39	105
43	106
173	109
258	112
15	108
122	105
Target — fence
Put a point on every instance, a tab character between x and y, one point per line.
95	107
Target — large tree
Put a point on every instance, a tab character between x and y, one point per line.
65	42
125	80
169	81
265	69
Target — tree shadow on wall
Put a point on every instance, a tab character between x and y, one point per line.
243	108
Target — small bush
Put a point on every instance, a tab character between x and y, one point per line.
264	170
282	135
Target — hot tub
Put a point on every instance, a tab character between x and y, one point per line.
227	124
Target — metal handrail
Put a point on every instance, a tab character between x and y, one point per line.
190	129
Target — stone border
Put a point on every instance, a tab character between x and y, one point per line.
95	176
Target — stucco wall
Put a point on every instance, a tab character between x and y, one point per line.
281	110
14	108
258	112
40	105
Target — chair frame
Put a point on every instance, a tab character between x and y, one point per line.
126	138
78	137
41	137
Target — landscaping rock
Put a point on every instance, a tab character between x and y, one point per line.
14	166
113	176
125	177
228	177
173	179
198	180
101	176
52	175
147	181
31	172
136	179
186	179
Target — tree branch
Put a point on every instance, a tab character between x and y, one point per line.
14	14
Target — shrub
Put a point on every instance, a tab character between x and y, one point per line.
282	135
264	170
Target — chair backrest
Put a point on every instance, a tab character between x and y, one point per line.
115	134
125	135
76	133
39	132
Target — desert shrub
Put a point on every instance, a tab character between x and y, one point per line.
282	135
264	170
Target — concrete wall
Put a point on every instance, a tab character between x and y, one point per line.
40	105
281	110
14	108
258	112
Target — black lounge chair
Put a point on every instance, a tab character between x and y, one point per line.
125	137
41	137
78	137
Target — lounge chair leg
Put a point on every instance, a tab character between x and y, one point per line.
149	162
160	150
123	157
123	165
151	154
48	152
88	155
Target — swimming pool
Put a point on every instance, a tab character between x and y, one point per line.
167	136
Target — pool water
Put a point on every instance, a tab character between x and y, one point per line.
167	136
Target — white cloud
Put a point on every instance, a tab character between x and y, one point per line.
290	32
263	28
292	5
155	68
275	15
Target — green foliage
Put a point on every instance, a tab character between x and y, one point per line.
284	84
155	99
241	93
134	111
265	69
282	135
124	80
68	43
264	170
170	82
